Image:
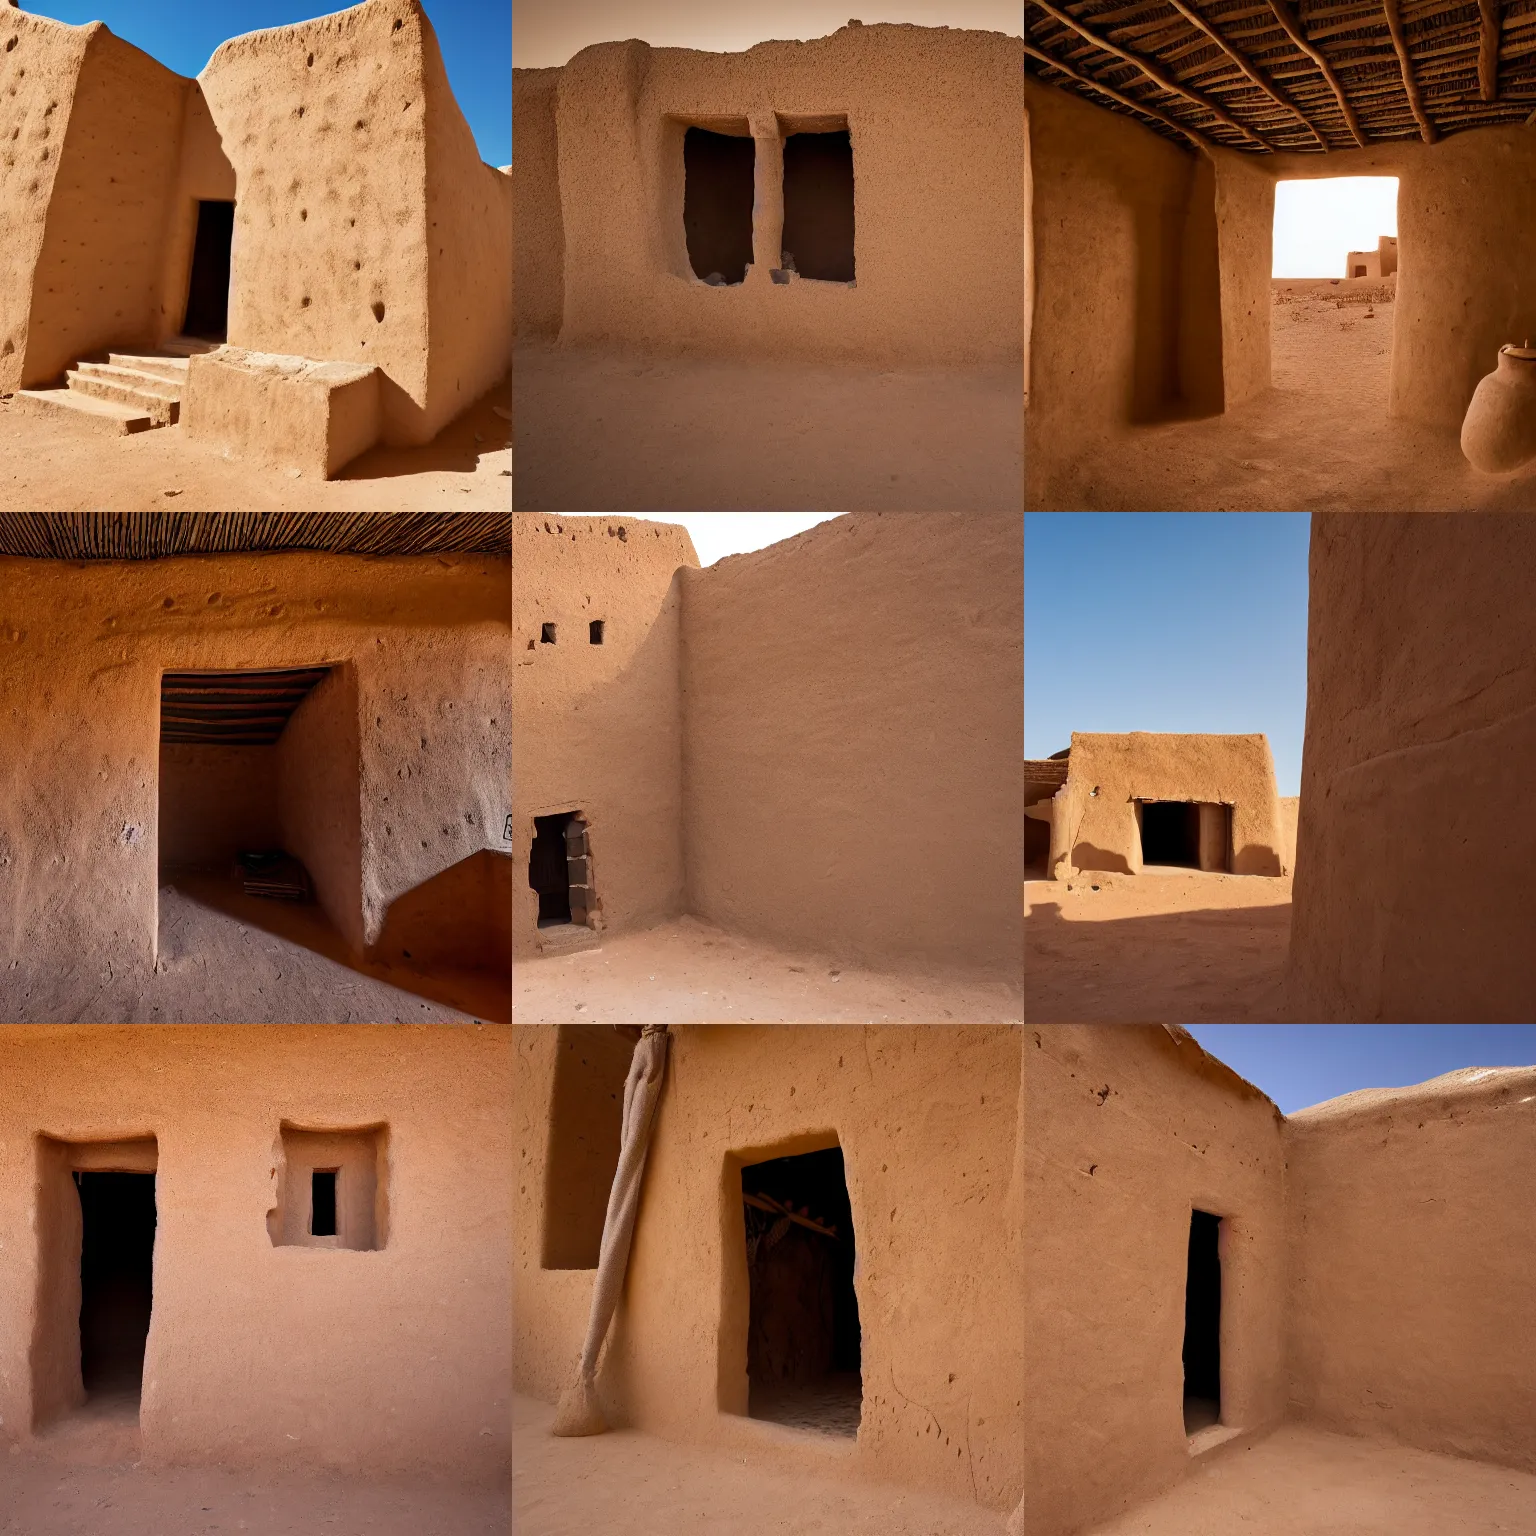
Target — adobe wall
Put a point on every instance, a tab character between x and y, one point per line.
82	647
599	728
1290	810
1130	1128
1102	831
852	725
1421	716
390	1363
216	802
942	1405
937	129
38	107
1411	1256
538	235
203	171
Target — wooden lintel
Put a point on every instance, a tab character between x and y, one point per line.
1151	71
1488	50
1427	130
1292	29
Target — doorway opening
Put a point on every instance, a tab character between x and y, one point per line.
818	205
718	192
560	870
117	1248
803	1339
1187	834
1202	1324
207	315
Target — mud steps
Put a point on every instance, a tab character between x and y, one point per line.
128	392
568	938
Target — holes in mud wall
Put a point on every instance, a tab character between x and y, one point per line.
332	1188
1202	1324
547	634
586	1117
718	172
595	632
818	205
803	1338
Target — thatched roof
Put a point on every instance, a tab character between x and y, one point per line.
150	535
1301	75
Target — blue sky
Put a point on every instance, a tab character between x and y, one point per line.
1299	1065
1166	621
474	35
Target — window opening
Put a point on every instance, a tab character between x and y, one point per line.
547	634
314	1206
1202	1324
818	205
322	1202
718	194
595	632
803	1337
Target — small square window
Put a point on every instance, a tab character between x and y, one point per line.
547	634
595	631
322	1202
331	1188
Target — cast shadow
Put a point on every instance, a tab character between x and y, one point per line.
458	447
1090	859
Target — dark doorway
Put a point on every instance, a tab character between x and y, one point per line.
1202	1324
208	290
1170	832
117	1251
1037	843
548	869
818	204
718	193
803	1341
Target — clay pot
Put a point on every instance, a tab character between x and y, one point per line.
1499	432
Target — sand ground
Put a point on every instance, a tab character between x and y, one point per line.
228	958
690	972
612	431
1174	947
83	1477
628	1484
1303	1481
1319	441
61	466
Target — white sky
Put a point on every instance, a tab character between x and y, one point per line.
546	32
717	534
1318	223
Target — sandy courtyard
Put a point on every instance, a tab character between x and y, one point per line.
629	1484
1175	947
1301	1481
59	465
690	972
1320	440
633	432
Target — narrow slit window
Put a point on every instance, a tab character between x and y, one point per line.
323	1203
1202	1324
595	632
547	634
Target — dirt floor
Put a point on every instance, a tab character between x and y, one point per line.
633	432
629	1484
690	972
83	1477
62	466
228	958
1319	441
1301	1481
1181	947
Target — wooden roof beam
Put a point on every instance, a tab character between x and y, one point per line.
1152	72
1194	136
1488	50
1292	29
1427	130
1248	67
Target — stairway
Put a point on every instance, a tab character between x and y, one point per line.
124	392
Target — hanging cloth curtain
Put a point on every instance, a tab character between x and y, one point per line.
579	1413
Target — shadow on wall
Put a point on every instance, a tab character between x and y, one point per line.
1085	857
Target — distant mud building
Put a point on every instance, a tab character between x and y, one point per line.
297	254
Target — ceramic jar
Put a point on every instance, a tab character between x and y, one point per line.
1499	432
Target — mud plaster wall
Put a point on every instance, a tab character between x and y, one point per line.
538	237
394	1362
203	171
1101	829
937	129
926	1121
1290	809
40	62
1126	1135
319	798
852	708
1421	714
216	802
1409	1220
82	647
599	727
